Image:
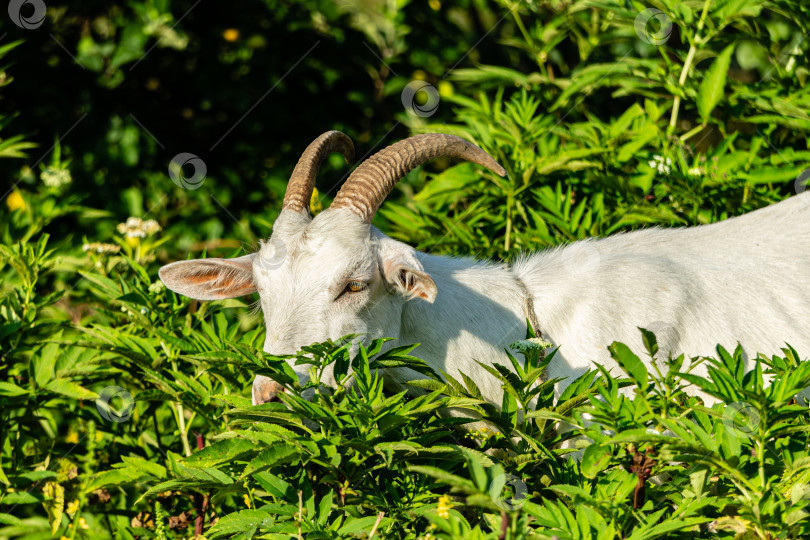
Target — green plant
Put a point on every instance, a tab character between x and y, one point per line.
124	409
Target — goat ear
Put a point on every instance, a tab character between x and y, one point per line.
210	279
411	282
409	278
402	269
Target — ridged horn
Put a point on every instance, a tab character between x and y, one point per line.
302	180
373	180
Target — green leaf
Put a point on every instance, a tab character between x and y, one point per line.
650	341
275	486
640	138
325	508
280	453
239	522
595	460
21	497
10	389
114	477
630	363
146	467
108	286
220	451
713	84
8	519
364	524
44	362
70	389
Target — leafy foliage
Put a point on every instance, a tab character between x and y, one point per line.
123	407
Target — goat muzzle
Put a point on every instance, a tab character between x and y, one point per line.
265	390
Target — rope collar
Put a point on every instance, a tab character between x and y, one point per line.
528	305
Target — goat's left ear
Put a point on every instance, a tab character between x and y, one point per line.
210	279
403	271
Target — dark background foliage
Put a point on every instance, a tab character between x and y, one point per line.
608	115
231	83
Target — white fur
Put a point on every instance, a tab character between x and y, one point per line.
745	279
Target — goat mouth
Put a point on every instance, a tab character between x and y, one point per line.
266	390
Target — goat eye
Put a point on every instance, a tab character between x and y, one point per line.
355	286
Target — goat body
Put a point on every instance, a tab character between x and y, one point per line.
746	280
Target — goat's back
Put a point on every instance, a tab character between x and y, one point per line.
745	279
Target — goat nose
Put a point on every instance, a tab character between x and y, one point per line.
265	390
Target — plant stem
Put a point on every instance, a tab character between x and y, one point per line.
157	432
691	133
181	424
522	28
508	222
376	524
300	513
687	64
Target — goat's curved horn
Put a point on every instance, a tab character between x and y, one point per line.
373	180
302	180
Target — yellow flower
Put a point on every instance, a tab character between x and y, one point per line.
315	204
72	437
15	201
72	507
83	523
435	5
231	34
444	506
247	500
445	88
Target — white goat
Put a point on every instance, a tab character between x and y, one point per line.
746	280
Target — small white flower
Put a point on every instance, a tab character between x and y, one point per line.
54	178
531	344
137	228
100	248
156	287
150	227
661	164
